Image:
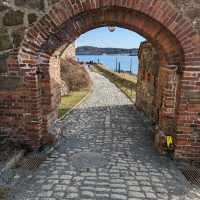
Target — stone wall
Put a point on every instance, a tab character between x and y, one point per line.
18	15
147	85
156	89
190	9
69	52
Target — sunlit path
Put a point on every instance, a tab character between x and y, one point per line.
106	153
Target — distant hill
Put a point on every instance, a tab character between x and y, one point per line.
89	50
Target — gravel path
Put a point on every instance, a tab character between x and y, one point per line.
106	153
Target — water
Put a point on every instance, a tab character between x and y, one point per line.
110	61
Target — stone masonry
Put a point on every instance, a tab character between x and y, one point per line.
34	33
147	83
152	80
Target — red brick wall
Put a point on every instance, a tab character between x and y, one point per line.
11	112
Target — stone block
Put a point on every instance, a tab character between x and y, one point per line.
3	5
13	18
3	64
147	81
34	4
51	2
193	13
10	83
193	96
18	36
32	17
5	42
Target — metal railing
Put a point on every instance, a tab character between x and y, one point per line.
127	86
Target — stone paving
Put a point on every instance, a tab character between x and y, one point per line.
106	153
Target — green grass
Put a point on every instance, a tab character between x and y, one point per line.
124	81
3	193
70	100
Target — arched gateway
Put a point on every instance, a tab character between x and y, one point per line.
36	61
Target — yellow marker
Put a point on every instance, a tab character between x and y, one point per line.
169	141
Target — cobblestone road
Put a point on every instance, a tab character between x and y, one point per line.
106	153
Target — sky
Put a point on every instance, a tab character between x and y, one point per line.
102	37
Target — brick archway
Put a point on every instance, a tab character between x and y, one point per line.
178	45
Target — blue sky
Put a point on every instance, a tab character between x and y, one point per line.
101	37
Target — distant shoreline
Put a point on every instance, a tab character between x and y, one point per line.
106	55
127	63
96	51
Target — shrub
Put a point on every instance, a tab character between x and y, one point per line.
75	75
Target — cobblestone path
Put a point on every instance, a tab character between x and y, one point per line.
106	153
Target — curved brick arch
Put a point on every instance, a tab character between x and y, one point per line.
152	30
157	20
158	10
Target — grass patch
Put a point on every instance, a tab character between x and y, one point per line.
70	100
125	82
3	193
128	77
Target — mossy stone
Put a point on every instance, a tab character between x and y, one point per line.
51	2
3	64
5	42
193	96
18	36
3	8
34	4
32	18
13	18
3	5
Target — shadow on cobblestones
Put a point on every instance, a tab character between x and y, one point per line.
122	136
108	127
